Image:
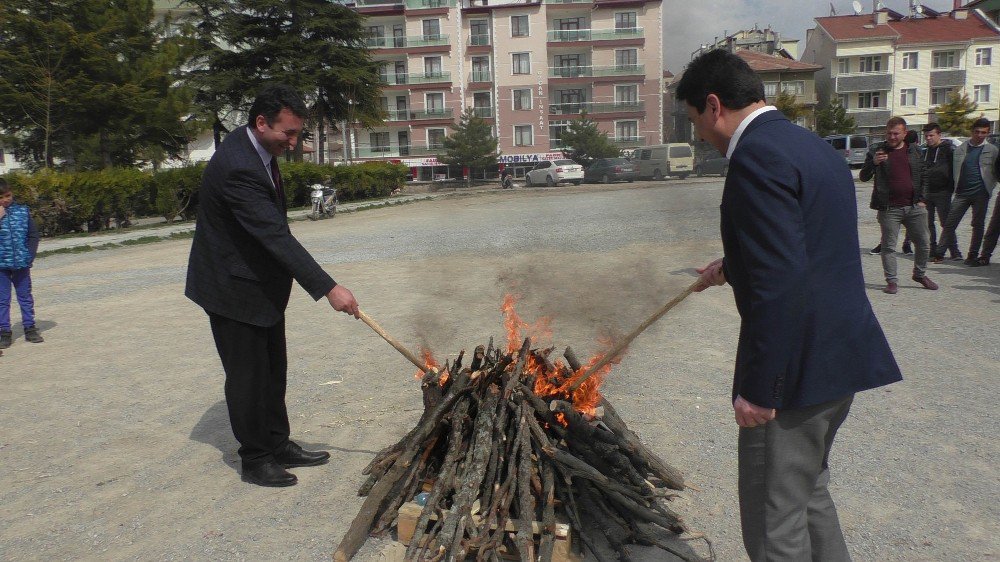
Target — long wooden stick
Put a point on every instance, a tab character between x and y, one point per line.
392	341
610	356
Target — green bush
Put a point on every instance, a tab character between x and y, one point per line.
175	191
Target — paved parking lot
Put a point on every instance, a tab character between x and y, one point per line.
116	443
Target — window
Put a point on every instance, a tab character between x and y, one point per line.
481	69
627	130
522	135
940	95
626	58
908	96
870	64
432	67
379	141
984	57
482	105
435	138
479	31
518	26
795	87
625	21
870	100
770	89
627	95
521	63
432	29
910	60
434	103
843	65
522	98
981	93
556	129
944	59
845	100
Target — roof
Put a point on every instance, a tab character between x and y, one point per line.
763	62
904	30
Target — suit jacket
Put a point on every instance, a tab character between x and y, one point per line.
989	164
244	257
881	192
789	228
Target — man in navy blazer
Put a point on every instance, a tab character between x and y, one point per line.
808	337
242	263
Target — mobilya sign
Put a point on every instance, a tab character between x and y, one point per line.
529	158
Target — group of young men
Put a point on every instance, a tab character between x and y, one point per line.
913	184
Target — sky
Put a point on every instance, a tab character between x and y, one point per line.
689	23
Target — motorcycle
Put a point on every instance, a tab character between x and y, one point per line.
324	202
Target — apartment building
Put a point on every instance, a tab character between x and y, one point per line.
527	68
887	63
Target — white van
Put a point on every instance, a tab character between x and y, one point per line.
661	160
852	147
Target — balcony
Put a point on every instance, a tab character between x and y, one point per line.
406	42
628	142
862	82
415	78
595	108
556	144
369	151
479	40
947	77
429	4
483	112
418	115
480	76
870	117
575	35
596	71
567	1
368	3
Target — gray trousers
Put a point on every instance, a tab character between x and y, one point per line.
959	205
786	510
914	218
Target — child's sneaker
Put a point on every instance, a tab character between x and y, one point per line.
6	337
31	334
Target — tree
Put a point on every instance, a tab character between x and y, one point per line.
585	143
316	46
89	83
833	120
955	115
471	144
787	104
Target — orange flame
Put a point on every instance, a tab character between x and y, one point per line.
517	329
431	363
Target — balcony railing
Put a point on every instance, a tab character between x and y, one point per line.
573	35
417	115
592	108
481	76
409	41
556	144
628	142
364	3
567	1
415	78
483	112
395	151
596	71
479	39
424	4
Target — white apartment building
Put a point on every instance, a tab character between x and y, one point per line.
886	63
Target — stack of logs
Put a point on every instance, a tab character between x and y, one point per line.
490	451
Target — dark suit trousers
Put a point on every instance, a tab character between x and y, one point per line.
256	366
786	511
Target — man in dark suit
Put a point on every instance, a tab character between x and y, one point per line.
242	263
808	337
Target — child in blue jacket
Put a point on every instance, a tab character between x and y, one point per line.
18	246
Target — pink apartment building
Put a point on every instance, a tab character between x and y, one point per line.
528	68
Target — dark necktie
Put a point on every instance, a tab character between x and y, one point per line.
276	177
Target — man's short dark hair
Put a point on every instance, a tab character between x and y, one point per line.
932	127
271	99
981	123
895	122
721	73
4	187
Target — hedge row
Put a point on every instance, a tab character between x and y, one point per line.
64	202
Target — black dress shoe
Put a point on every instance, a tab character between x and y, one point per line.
294	455
269	474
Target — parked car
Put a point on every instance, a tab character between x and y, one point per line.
551	172
662	160
717	165
607	170
854	148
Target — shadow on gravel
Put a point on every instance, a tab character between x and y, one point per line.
213	429
42	325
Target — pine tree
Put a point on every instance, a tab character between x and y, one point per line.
787	104
585	142
833	120
471	144
955	115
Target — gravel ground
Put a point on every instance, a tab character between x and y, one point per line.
116	443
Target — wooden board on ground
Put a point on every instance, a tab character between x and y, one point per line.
562	552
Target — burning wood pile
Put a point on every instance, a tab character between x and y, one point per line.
506	445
